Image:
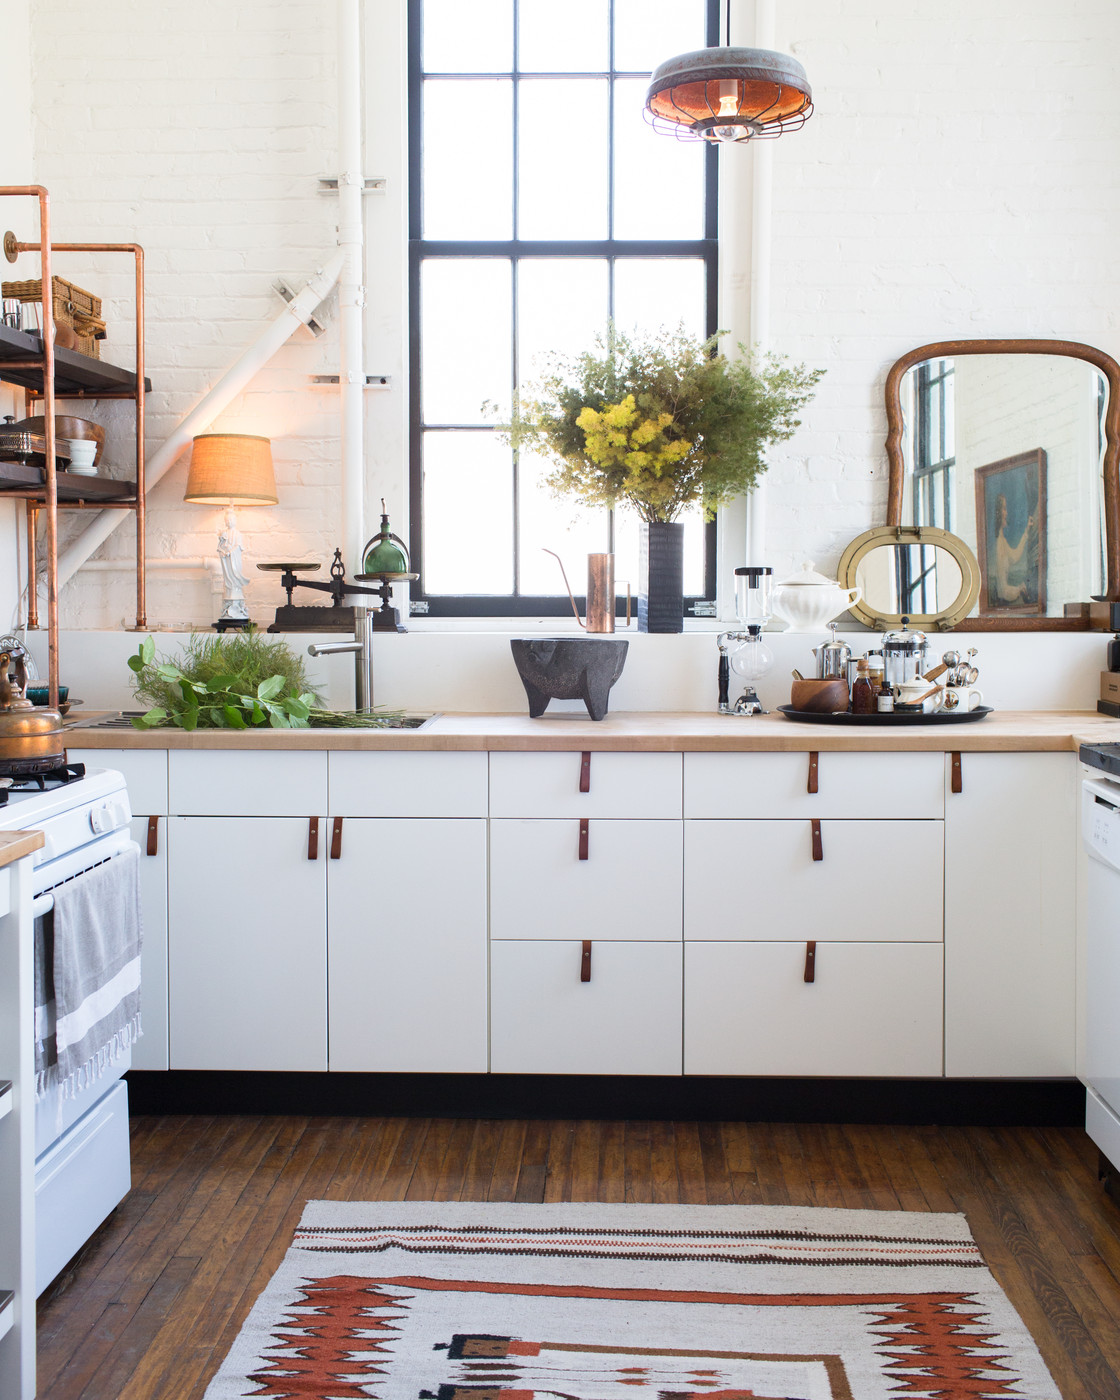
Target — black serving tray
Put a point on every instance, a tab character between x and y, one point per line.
890	718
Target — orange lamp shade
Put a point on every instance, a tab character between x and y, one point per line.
729	94
231	469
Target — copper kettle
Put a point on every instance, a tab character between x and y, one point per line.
31	736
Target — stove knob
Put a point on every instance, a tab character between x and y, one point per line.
100	819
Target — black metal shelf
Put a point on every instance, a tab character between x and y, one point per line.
21	481
75	376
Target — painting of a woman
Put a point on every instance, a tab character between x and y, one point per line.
1011	534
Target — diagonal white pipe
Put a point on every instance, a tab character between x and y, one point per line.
295	314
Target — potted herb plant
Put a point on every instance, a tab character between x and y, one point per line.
660	425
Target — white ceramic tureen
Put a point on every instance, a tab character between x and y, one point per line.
807	600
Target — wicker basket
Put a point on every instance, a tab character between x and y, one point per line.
73	306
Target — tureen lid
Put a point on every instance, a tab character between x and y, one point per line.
807	577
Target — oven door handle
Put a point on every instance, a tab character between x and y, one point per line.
41	904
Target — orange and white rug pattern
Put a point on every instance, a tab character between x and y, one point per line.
459	1301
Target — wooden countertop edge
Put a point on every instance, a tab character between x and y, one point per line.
14	845
1059	731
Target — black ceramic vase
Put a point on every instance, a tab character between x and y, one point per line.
661	577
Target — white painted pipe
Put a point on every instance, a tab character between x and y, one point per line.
184	565
351	291
761	250
295	314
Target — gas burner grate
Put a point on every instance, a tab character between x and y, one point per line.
39	782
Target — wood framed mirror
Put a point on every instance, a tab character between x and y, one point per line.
1013	445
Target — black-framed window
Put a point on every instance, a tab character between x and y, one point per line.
934	444
541	204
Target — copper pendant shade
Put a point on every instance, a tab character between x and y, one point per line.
728	94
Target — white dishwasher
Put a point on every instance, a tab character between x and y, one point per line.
1100	833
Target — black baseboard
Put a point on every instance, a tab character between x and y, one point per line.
961	1102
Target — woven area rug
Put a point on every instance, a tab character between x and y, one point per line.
427	1301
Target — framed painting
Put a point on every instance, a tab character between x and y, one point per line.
1011	535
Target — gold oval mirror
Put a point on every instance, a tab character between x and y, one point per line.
918	572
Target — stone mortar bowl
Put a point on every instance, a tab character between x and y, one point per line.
569	668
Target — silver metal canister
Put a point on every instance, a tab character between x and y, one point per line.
904	654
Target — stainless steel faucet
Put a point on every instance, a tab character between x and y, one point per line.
362	648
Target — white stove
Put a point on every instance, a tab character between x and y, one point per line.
82	1168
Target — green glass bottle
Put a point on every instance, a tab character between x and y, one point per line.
385	553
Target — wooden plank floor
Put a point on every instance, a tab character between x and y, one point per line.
152	1304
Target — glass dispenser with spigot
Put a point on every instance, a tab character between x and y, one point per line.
744	651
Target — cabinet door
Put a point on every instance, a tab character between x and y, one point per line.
1010	915
872	1009
626	1019
150	1051
783	892
247	944
860	785
615	785
591	879
407	945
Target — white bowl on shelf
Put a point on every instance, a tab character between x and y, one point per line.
82	453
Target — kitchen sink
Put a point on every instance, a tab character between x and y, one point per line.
123	720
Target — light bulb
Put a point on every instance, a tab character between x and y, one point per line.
728	107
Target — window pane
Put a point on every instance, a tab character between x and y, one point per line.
561	306
563	158
647	32
466	334
462	38
652	294
568	38
626	536
556	523
468	514
645	162
468	158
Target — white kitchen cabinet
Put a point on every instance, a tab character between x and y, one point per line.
151	1050
246	782
422	784
760	880
1010	915
247	943
587	878
406	902
872	1009
606	785
625	1019
865	786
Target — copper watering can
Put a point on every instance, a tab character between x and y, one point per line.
600	592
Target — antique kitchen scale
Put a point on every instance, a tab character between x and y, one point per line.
384	562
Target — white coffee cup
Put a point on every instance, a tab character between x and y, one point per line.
82	453
962	697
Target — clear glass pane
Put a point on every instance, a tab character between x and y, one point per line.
563	158
466	333
652	294
626	535
561	306
468	158
645	161
468	514
462	38
567	38
556	523
647	32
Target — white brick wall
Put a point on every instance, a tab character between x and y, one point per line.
959	177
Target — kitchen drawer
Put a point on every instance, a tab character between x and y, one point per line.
873	1009
782	893
247	783
625	1020
407	784
619	785
628	888
860	785
144	772
5	891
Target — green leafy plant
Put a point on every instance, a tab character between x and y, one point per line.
660	424
235	681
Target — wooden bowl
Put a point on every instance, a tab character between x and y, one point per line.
65	428
828	697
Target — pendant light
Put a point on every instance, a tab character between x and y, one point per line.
728	94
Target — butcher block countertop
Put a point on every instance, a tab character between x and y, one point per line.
16	844
638	732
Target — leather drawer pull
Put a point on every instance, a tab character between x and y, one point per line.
584	825
585	772
312	838
153	836
810	962
957	782
818	848
585	962
812	784
336	839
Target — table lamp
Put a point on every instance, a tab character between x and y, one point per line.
231	469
